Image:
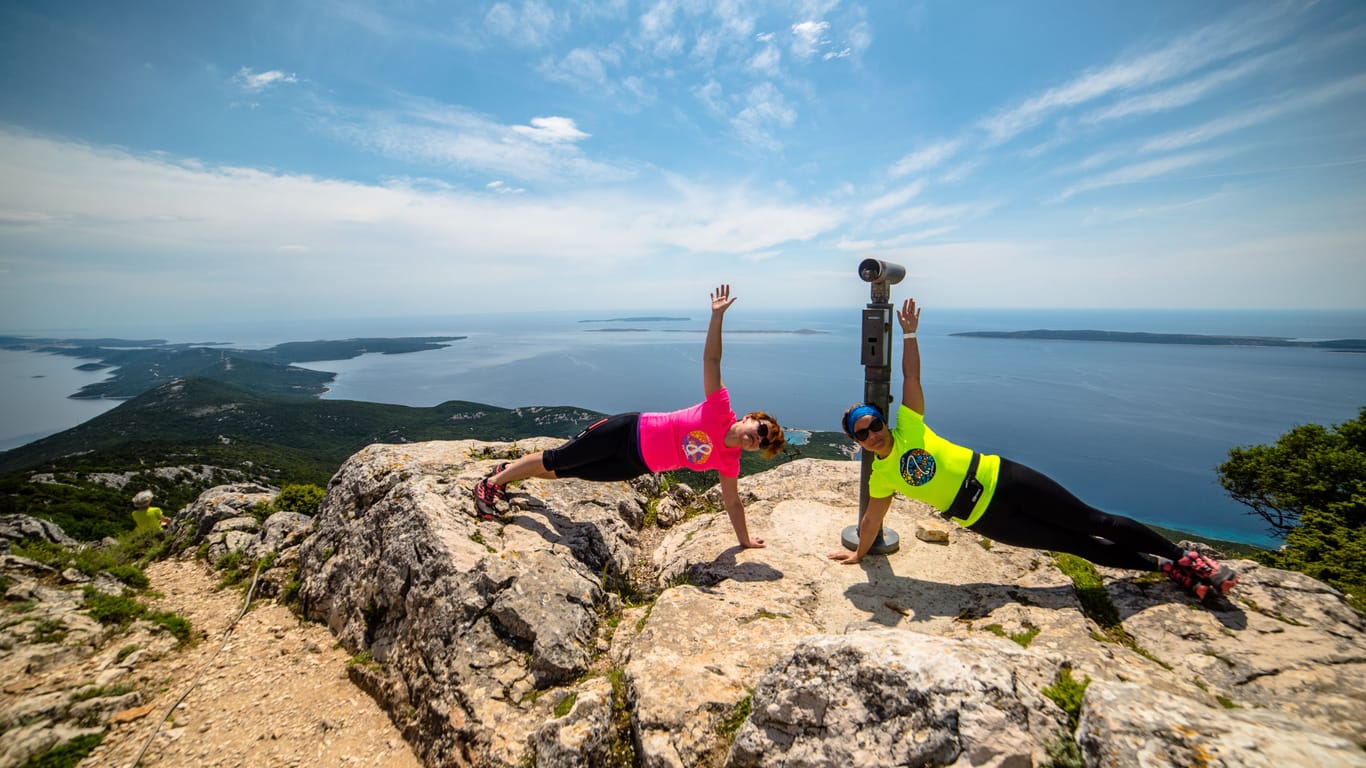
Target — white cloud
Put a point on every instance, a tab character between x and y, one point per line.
808	37
440	136
189	234
551	130
256	82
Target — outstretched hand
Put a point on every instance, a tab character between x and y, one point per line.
845	556
908	316
720	299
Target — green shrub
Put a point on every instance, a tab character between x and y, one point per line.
67	755
304	499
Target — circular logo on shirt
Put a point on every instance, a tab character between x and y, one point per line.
697	447
917	466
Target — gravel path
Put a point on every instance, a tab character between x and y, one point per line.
276	695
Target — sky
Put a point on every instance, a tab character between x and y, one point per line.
258	159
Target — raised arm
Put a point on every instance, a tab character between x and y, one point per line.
912	394
711	353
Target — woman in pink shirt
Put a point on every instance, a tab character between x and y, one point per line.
705	436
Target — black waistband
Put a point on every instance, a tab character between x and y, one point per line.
968	493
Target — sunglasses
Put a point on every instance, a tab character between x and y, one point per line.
763	434
875	425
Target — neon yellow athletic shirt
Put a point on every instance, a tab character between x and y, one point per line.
928	468
148	518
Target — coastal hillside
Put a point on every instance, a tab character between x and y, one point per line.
619	625
186	435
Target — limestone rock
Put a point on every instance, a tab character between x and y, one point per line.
932	532
1130	726
17	528
890	698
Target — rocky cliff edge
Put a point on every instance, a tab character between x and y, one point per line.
576	633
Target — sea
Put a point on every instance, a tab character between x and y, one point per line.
1136	429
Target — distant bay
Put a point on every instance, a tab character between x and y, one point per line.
1132	428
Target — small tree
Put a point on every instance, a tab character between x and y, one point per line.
1311	488
1309	467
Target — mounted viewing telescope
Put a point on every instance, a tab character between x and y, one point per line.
877	381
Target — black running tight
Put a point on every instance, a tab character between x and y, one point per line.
1030	509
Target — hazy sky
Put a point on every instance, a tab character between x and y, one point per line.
257	158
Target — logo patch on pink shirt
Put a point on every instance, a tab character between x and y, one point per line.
697	447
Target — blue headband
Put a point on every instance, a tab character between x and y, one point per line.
858	413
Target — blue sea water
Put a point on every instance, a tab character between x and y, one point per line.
1132	428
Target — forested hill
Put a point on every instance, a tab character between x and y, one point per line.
1341	345
201	418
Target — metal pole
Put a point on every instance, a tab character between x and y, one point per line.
877	389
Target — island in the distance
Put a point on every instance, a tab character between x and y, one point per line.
1130	337
639	320
143	364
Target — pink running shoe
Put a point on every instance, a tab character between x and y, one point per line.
1210	571
1183	575
487	495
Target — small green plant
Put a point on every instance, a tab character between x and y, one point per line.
1067	693
565	704
124	653
362	659
101	692
1023	639
729	725
1226	702
48	631
622	752
762	614
232	567
122	610
1064	753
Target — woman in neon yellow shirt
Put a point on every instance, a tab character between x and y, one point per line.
998	498
146	516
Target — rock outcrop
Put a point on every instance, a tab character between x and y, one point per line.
528	640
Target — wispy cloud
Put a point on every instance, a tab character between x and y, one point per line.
894	199
1239	33
765	112
1317	97
926	158
437	136
529	24
1144	171
256	82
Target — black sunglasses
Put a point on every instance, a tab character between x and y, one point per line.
763	434
875	425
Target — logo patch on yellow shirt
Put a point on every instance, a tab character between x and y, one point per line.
917	466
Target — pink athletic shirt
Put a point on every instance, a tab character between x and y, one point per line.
693	438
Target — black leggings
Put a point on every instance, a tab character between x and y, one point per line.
608	449
1030	509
